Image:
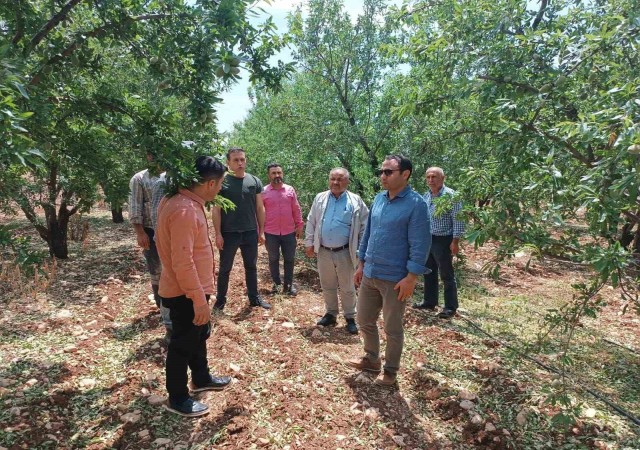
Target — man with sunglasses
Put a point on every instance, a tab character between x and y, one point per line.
393	254
446	229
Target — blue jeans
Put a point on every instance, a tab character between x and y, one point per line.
155	269
247	242
440	260
287	243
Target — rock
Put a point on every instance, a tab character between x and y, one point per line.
104	299
70	349
399	440
263	441
234	367
363	378
131	417
467	395
144	434
87	383
316	334
340	437
150	376
162	441
144	391
135	277
372	413
467	405
5	382
489	427
506	432
155	346
15	411
476	420
589	413
356	405
31	382
288	325
64	314
155	400
91	324
521	418
108	316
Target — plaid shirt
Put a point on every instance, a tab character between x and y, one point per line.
446	224
146	191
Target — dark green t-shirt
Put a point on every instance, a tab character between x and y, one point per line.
242	192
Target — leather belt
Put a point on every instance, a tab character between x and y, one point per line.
335	249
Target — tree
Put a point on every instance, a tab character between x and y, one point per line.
107	81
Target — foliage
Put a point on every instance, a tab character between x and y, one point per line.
107	82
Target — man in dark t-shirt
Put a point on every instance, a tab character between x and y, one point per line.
241	228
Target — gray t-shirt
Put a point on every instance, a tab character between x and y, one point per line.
242	192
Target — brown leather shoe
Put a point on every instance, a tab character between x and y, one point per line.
365	363
386	379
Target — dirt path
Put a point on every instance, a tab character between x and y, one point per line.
83	368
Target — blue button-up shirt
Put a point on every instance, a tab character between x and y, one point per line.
397	239
336	222
447	223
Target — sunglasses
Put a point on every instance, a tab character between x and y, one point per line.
386	172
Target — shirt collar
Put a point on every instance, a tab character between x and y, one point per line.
192	196
402	193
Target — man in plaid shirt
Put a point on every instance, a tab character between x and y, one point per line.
446	231
146	190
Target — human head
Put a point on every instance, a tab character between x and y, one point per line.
435	178
210	175
276	176
399	169
338	181
237	161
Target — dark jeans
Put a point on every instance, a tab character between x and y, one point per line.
247	242
441	260
188	348
287	243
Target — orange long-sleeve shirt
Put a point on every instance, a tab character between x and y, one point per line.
184	246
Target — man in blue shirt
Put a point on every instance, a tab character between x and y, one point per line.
446	230
393	253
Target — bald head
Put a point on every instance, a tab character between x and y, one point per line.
338	181
435	179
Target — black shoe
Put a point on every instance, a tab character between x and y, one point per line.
214	384
258	301
290	290
328	320
423	306
447	313
187	408
351	326
276	288
219	304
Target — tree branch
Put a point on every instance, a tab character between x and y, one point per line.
50	25
570	148
538	19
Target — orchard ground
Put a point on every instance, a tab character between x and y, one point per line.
83	364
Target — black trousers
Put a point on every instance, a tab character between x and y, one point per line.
441	260
247	242
188	348
274	244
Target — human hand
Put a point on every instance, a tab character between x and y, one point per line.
143	240
406	286
261	239
219	241
299	233
454	247
202	313
357	277
309	252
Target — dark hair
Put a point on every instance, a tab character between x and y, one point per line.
272	165
234	150
404	163
209	168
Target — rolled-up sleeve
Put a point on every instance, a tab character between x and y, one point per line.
183	231
419	237
136	201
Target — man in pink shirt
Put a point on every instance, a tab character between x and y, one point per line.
186	283
283	224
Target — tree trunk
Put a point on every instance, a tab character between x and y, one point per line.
58	240
116	214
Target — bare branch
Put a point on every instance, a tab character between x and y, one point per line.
50	25
538	19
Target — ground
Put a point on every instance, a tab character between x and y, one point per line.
83	360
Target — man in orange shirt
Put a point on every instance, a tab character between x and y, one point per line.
186	283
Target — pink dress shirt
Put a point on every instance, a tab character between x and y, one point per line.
282	210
